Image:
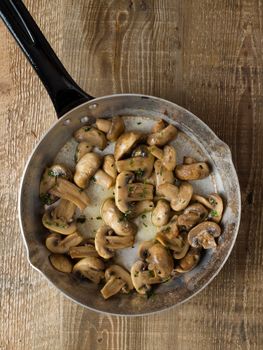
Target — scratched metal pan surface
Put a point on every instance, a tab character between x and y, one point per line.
139	112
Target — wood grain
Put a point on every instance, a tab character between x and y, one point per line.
204	55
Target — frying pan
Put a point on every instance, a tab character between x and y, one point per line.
74	108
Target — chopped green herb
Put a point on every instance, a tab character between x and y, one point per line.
139	172
212	201
136	274
151	273
81	219
52	173
46	198
214	213
131	161
139	123
87	128
144	224
130	189
166	229
99	218
143	216
93	179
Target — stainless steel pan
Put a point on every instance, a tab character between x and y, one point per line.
74	107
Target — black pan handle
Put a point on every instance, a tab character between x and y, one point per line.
62	89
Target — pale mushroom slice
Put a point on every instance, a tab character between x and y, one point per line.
179	197
142	278
193	171
61	263
106	242
49	179
91	268
160	261
83	251
82	149
92	136
103	179
158	126
114	218
67	190
189	261
59	245
214	202
192	215
163	175
65	211
86	169
169	157
109	166
203	235
103	124
125	143
161	213
117	128
59	225
162	137
127	192
117	280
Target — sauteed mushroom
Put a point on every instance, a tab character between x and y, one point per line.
65	211
160	261
109	166
193	171
103	179
169	157
168	236
58	224
141	208
215	203
82	149
179	197
83	251
163	176
162	137
125	143
189	261
161	213
117	128
158	126
142	278
91	268
103	124
67	190
61	263
203	235
116	219
142	166
192	215
156	152
86	168
57	244
117	280
92	136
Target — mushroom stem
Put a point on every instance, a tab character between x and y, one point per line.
112	287
139	192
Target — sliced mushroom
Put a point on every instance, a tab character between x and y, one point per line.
203	235
169	157
160	261
103	179
86	168
158	126
114	218
163	175
103	124
49	179
125	143
106	241
156	152
83	251
143	250
141	166
117	280
67	190
161	213
65	211
193	215
189	261
168	236
142	278
127	192
141	208
193	171
162	137
82	149
215	203
116	129
61	263
57	244
180	197
182	246
91	268
109	166
58	225
92	136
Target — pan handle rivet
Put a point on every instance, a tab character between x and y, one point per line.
93	106
84	119
67	122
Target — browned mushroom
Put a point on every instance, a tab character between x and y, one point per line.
169	157
142	166
117	280
58	224
83	251
103	124
125	143
168	235
193	171
103	179
91	268
158	126
109	166
163	175
141	208
215	203
116	129
61	263
92	136
86	168
82	149
192	215
156	152
57	244
161	213
65	211
189	261
160	261
180	197
142	278
203	235
162	137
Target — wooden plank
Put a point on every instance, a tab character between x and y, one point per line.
206	56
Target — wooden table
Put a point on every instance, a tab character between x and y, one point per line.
204	55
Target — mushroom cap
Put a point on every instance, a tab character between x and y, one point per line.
92	136
103	179
101	243
194	171
86	168
103	124
137	277
57	244
156	152
82	148
203	235
58	225
169	157
193	214
160	260
114	218
189	261
125	143
182	246
163	136
61	263
116	129
161	213
215	203
91	268
183	197
117	280
109	166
